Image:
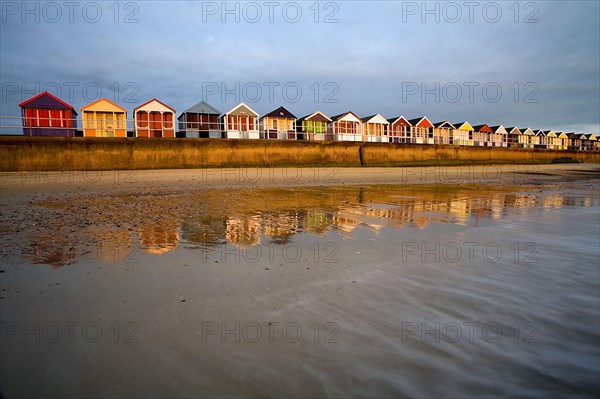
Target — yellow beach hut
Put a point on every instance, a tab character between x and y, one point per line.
103	118
463	134
442	132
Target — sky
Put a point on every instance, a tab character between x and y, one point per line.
527	64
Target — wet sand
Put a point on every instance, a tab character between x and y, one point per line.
178	180
193	283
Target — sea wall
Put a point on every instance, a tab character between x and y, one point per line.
19	154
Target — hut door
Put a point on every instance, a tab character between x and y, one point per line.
110	125
156	124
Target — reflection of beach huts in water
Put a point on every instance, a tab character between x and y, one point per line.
375	129
240	122
344	222
47	248
154	119
442	132
313	126
159	238
399	130
47	115
200	121
204	231
482	135
103	118
278	124
114	246
280	227
243	231
421	130
346	127
463	134
317	222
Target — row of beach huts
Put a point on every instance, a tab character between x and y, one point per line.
47	115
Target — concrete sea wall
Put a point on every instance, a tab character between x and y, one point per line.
19	154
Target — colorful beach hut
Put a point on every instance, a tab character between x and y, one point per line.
47	115
575	141
421	130
103	118
240	122
482	135
514	137
442	132
278	124
541	138
528	139
399	130
200	121
551	139
463	134
313	126
563	140
499	136
346	127
375	129
154	119
589	142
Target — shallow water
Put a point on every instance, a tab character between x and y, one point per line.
348	291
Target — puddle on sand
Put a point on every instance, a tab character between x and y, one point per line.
365	291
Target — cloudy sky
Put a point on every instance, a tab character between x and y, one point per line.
529	63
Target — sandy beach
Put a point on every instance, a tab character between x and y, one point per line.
185	180
353	281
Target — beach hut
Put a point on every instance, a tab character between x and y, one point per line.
399	130
442	132
313	126
514	137
589	142
482	135
562	140
575	141
103	118
541	138
463	134
240	122
375	128
498	136
200	121
421	130
47	115
551	139
154	119
528	138
278	124
346	127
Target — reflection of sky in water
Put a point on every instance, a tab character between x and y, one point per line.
276	215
